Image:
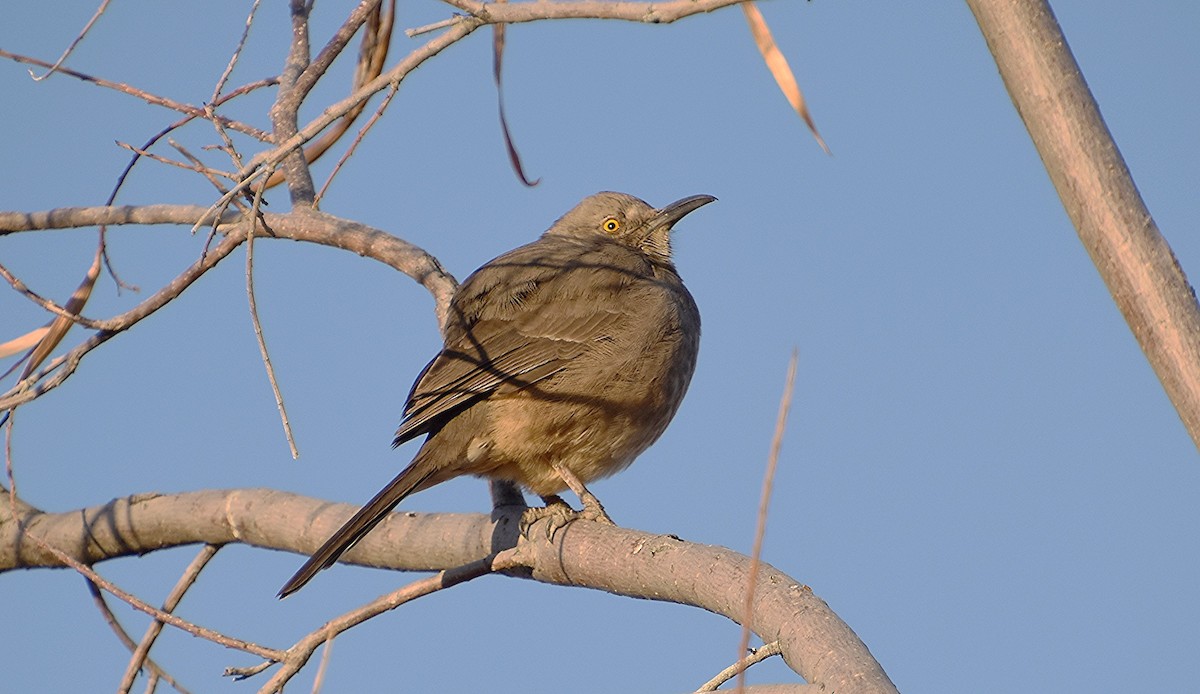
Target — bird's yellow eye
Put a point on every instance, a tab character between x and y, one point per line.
611	224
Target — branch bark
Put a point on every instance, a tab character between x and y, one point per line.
815	642
303	224
1099	195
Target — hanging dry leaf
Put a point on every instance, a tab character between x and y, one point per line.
58	327
514	157
779	68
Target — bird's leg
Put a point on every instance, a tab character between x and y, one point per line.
505	493
559	513
592	509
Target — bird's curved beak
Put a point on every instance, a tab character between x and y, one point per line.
669	215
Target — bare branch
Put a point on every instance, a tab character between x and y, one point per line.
376	40
315	70
111	620
262	340
113	215
738	668
298	655
42	382
285	113
82	33
645	12
142	653
152	99
1098	193
814	641
45	303
26	535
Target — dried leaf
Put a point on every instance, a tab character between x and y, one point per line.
58	327
514	157
24	342
779	68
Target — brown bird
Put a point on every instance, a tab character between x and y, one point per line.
564	359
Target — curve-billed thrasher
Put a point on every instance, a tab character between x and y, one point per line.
564	360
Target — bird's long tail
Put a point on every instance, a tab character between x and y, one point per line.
361	523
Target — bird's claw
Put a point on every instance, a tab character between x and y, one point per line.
558	514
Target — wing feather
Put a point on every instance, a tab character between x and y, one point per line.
519	320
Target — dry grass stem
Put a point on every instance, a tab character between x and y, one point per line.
764	504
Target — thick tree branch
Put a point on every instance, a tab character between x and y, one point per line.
1096	189
814	641
302	225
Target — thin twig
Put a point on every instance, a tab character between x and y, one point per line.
142	606
240	91
387	99
435	26
262	341
199	167
756	656
210	108
196	166
38	384
298	655
210	113
45	303
644	12
253	169
376	40
126	640
62	58
186	580
764	503
14	507
153	99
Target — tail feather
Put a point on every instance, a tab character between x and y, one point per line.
359	525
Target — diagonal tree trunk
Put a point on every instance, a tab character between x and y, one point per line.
1086	167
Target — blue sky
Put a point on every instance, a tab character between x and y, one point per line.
981	474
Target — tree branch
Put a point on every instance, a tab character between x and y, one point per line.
814	641
303	224
1099	195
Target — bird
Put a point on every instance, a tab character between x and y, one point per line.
564	359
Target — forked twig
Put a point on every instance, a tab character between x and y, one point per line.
71	48
186	580
126	640
756	656
298	655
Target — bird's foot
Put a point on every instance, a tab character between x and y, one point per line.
559	514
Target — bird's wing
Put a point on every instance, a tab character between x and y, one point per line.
521	322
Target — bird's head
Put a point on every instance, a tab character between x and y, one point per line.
627	220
